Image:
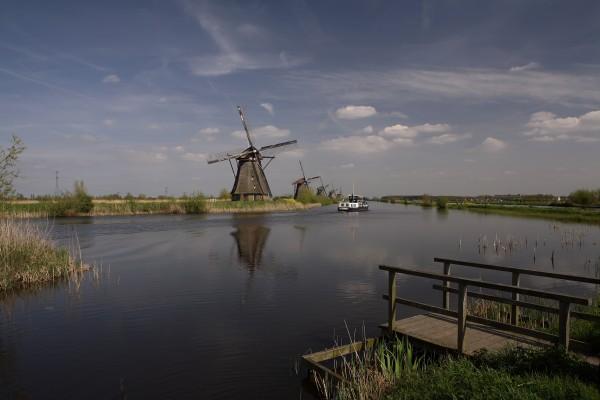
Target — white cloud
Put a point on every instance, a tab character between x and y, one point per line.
194	157
153	126
448	138
294	153
205	134
367	129
347	166
144	157
267	131
179	149
358	144
355	112
112	78
268	107
492	145
109	122
528	66
545	126
404	131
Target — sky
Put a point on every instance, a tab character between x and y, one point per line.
441	97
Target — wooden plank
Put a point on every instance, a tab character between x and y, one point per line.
391	299
422	306
462	316
524	271
514	308
490	285
329	354
585	316
327	371
446	295
564	324
513	329
505	300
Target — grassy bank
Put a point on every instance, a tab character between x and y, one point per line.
190	205
29	258
567	214
394	371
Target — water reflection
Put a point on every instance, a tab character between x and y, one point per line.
251	238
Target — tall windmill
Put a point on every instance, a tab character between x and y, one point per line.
302	183
250	180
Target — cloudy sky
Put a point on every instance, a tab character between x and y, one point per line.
441	97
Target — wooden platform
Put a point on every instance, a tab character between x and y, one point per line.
441	331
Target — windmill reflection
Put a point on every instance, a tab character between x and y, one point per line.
250	238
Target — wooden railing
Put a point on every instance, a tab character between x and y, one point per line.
461	314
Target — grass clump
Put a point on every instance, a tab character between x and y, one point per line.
441	202
28	257
308	196
194	204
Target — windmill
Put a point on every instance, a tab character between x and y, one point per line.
250	180
322	190
301	184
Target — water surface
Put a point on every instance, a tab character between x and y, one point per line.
222	306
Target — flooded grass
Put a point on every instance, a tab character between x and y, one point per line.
29	258
566	214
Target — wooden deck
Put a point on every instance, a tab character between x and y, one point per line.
441	331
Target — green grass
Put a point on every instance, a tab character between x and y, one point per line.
28	257
393	371
567	214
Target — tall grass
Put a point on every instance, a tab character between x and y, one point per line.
28	257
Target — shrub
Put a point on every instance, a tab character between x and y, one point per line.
82	201
426	201
224	194
441	203
583	197
194	204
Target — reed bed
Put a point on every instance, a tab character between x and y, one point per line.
28	257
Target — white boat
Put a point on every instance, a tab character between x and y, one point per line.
353	203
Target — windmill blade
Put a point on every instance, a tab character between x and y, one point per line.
226	155
272	150
242	117
313	178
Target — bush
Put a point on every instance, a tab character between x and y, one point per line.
441	203
307	196
426	201
82	201
194	204
584	197
224	194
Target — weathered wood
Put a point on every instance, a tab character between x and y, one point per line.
391	299
505	300
585	316
514	329
462	316
490	285
514	310
323	369
522	271
564	324
446	295
423	306
340	351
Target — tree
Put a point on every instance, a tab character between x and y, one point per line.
224	194
582	197
8	165
83	201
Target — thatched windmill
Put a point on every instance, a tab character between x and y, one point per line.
301	184
250	180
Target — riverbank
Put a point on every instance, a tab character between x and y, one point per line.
28	257
566	214
124	207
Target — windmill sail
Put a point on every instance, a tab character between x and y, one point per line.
274	149
226	155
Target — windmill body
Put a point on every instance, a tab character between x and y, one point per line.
250	180
302	184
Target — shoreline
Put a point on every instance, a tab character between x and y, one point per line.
107	208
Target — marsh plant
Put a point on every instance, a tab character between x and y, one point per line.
28	257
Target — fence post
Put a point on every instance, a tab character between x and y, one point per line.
564	324
462	316
391	301
446	284
514	312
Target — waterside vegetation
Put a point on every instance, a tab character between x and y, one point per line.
393	370
29	258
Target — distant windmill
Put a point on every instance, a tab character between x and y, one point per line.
250	180
301	184
322	190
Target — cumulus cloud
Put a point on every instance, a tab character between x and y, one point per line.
367	129
347	166
112	78
545	126
267	131
268	107
518	68
355	112
108	122
207	134
179	149
144	157
448	138
492	145
404	131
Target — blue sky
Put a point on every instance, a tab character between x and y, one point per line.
441	97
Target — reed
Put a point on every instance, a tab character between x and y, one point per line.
28	257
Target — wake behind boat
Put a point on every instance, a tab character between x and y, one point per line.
353	203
